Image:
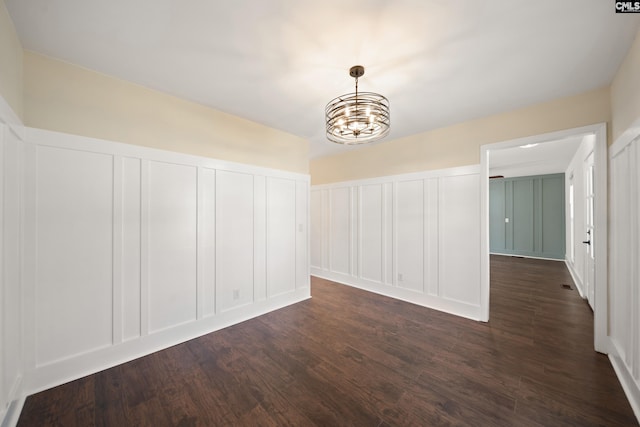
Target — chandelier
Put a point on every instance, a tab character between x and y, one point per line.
357	118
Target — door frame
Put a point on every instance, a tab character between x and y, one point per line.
589	193
600	223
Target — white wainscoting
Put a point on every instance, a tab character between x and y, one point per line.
414	237
624	272
11	169
128	250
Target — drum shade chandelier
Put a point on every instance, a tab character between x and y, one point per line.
357	118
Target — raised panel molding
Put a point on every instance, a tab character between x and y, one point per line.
535	209
340	225
371	228
317	233
74	223
353	235
432	231
459	230
414	237
302	233
624	280
129	250
172	201
281	232
260	237
409	221
388	271
11	296
129	247
234	240
206	242
5	377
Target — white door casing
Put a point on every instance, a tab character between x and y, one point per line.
589	254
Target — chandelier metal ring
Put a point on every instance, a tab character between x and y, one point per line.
359	117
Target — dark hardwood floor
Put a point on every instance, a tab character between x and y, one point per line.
349	357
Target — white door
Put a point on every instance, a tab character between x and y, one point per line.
589	255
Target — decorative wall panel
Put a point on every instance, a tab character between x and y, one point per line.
340	230
206	242
171	235
624	271
11	322
74	223
527	216
128	250
409	226
316	235
129	247
371	233
459	248
234	239
281	232
415	237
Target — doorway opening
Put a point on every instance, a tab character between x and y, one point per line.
584	208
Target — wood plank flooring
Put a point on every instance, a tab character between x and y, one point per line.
349	357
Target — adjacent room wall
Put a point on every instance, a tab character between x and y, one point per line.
63	97
459	145
10	63
526	216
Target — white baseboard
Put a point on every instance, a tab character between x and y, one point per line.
12	415
629	385
576	279
60	372
526	256
457	308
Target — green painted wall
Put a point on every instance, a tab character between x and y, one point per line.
534	207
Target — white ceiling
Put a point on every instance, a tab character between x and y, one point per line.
278	62
544	158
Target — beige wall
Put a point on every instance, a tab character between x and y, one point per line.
625	91
459	145
66	98
10	62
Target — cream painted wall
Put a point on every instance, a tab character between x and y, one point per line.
63	97
10	62
459	145
625	91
